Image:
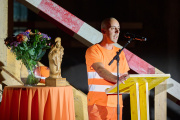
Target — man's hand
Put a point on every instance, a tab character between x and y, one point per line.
123	78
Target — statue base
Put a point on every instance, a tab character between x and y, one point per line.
55	82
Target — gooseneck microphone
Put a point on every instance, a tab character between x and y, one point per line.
135	37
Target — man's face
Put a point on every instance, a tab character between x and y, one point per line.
112	31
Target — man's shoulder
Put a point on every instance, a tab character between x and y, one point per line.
93	47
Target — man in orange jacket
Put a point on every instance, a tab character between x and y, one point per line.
102	76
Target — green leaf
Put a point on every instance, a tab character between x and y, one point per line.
39	52
34	44
25	46
31	51
22	48
41	55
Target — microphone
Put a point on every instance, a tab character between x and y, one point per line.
135	37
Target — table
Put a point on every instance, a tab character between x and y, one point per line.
37	103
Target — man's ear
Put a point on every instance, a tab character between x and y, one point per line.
103	31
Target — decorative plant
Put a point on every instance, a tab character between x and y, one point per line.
29	47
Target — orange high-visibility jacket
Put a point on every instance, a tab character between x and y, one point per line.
97	84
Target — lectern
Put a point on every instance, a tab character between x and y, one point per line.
138	86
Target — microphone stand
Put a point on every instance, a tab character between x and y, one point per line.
116	57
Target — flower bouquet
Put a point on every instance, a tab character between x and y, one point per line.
29	47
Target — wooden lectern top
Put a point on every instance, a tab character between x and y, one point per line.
152	80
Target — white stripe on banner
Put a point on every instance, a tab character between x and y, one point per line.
92	75
98	88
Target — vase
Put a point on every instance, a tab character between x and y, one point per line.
30	73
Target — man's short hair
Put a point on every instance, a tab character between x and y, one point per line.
105	22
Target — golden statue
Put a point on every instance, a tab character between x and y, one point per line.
55	59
